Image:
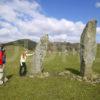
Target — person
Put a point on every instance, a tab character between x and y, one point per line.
3	78
23	67
1	66
4	63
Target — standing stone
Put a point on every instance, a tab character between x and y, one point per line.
88	49
73	51
39	55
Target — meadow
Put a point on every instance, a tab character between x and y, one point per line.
54	87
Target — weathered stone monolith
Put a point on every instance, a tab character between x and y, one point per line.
39	55
88	49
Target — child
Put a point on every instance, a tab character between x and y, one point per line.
23	67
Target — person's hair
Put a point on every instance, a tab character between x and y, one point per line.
2	47
23	55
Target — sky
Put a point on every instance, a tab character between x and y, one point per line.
62	20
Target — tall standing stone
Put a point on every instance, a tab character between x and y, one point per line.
39	55
88	49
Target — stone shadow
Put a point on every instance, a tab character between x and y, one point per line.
74	71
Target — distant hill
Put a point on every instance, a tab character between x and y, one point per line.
58	46
26	43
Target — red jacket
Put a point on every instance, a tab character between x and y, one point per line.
1	57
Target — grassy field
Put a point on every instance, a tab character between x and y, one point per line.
52	88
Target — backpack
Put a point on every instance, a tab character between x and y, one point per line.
1	57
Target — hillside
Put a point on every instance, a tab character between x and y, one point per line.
26	43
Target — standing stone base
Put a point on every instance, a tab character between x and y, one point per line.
40	75
86	72
94	80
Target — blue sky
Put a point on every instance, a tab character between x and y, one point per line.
63	20
74	10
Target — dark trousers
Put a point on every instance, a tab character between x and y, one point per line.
23	69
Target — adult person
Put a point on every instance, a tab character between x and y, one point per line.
3	78
23	67
1	66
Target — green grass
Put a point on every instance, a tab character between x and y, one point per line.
52	88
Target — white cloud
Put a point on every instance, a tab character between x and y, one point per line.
97	5
98	30
23	19
7	13
58	38
4	31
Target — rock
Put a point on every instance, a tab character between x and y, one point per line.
74	51
40	75
67	72
61	74
79	79
88	49
64	73
85	78
46	74
96	81
31	76
39	55
43	75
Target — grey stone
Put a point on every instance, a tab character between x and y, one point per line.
88	49
74	51
39	55
64	73
43	75
96	81
61	74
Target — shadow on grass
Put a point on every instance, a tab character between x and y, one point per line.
10	76
74	71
